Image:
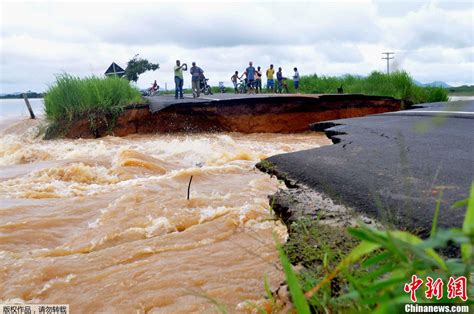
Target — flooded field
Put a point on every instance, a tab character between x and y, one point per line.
105	225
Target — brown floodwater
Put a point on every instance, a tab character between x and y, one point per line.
105	225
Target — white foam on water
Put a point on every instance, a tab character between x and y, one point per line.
113	202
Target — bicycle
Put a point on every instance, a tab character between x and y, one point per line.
282	85
205	88
242	87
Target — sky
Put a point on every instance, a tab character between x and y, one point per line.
432	40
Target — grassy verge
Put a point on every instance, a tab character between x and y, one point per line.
397	84
71	98
366	270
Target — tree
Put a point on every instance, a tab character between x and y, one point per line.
137	66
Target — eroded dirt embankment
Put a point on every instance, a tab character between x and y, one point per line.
317	227
298	201
286	114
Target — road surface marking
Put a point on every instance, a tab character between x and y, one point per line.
434	111
200	97
208	98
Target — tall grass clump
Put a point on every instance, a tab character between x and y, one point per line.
71	97
398	84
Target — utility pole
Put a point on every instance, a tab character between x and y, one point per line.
388	57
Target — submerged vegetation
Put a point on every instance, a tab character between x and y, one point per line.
397	84
98	99
370	271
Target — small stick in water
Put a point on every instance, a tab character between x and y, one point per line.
189	185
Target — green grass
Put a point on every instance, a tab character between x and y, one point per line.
371	276
72	97
299	301
396	84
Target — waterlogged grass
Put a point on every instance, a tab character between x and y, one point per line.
72	97
371	277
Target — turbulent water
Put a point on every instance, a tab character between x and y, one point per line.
105	225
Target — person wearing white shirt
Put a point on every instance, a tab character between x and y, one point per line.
296	79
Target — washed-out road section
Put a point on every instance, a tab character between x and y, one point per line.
394	166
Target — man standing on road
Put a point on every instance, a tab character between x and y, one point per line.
250	73
196	73
258	80
270	82
178	79
296	79
235	80
281	81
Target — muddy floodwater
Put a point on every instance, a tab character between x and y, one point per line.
105	226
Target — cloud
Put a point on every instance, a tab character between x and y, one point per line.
438	54
235	25
432	39
195	25
431	26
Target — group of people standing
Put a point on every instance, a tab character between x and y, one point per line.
253	79
197	74
197	79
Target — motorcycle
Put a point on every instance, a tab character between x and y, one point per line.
205	87
152	92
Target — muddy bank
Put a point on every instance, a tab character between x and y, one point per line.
298	201
317	227
277	114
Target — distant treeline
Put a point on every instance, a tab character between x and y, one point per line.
29	94
462	90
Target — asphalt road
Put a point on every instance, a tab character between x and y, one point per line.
394	166
159	102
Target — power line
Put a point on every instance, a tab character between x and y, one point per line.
388	57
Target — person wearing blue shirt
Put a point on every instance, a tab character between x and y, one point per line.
196	74
281	81
250	74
